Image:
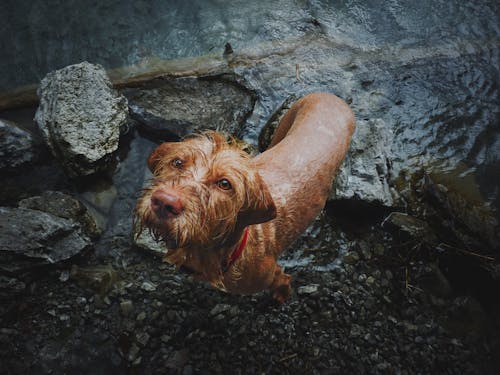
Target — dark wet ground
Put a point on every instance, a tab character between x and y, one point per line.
372	313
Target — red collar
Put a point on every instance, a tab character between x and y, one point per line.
237	251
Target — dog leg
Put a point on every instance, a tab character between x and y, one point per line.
280	288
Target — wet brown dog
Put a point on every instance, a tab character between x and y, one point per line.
225	217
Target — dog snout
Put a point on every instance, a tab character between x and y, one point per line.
166	203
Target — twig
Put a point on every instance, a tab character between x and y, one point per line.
288	357
466	251
297	72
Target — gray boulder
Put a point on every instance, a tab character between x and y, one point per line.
32	238
80	116
64	206
16	146
365	173
180	106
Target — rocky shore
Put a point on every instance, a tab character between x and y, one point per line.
400	274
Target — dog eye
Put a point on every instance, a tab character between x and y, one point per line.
177	163
224	184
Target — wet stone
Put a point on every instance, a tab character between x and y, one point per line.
100	278
126	307
148	286
351	257
31	238
65	206
80	116
141	316
181	106
220	308
308	289
370	280
17	146
142	338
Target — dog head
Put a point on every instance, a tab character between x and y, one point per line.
203	189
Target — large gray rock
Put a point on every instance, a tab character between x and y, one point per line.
178	107
365	173
16	146
80	116
65	206
32	238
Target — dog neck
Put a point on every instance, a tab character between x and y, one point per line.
236	252
179	258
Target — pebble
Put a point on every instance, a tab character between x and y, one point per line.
219	308
165	338
141	316
64	276
379	249
307	289
148	286
370	280
351	257
133	352
126	307
142	338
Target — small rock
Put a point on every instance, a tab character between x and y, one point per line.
148	286
307	289
133	352
141	316
370	280
412	226
142	338
64	317
351	257
64	276
234	311
126	307
379	249
165	338
171	315
16	146
219	308
99	279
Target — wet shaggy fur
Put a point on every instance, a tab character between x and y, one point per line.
210	156
219	191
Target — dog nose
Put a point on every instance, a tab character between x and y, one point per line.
166	203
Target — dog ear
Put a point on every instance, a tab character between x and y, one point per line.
158	155
260	206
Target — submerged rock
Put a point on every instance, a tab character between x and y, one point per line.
16	146
412	227
472	222
31	238
80	116
178	107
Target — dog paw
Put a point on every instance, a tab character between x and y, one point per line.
282	293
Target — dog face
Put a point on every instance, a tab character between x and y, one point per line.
203	189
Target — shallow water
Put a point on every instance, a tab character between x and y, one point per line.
426	73
40	36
